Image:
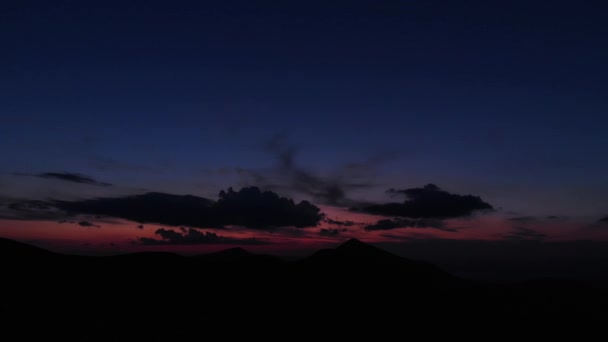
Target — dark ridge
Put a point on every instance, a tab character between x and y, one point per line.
236	252
354	243
355	283
356	260
356	248
15	249
148	255
239	256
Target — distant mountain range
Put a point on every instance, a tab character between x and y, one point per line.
355	283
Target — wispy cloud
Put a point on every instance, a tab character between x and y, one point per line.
428	202
248	207
67	177
194	237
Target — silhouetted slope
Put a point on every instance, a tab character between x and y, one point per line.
355	285
227	254
15	250
355	259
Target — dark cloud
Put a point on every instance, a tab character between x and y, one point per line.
87	224
151	207
537	219
601	223
524	219
340	223
29	205
254	176
253	208
524	234
324	189
141	226
195	237
428	202
248	207
330	232
388	224
32	210
69	177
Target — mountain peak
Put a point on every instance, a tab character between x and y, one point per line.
357	246
352	252
354	244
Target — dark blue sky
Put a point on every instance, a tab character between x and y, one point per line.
507	100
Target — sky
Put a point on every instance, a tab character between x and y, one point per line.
486	119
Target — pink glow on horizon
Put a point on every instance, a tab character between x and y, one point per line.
120	236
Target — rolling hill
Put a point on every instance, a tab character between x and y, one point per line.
355	284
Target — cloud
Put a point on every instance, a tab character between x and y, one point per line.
253	208
151	207
428	202
195	237
32	210
330	232
534	219
248	207
603	220
524	219
30	205
388	224
324	189
251	175
87	224
68	177
141	226
524	234
340	223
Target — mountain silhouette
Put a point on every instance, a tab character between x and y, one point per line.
231	252
160	294
355	251
14	249
355	259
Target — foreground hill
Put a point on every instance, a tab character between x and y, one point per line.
355	261
158	295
